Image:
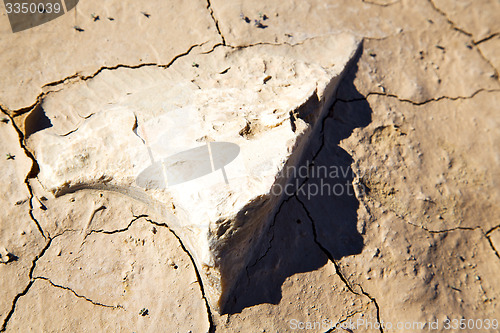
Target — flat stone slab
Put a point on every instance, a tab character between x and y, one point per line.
202	141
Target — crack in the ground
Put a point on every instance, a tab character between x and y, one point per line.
110	232
488	237
196	270
30	284
436	99
336	265
14	302
118	66
450	22
497	75
32	173
493	246
76	294
468	34
270	229
339	323
216	22
77	77
485	234
432	100
492	229
487	38
404	219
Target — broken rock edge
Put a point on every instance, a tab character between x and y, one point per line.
300	155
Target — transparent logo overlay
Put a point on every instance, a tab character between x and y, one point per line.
26	14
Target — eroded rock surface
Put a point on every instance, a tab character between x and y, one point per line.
241	99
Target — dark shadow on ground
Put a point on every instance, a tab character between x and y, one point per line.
289	247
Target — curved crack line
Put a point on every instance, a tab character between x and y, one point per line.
110	232
76	294
77	77
436	99
238	47
196	270
336	265
481	54
404	219
485	234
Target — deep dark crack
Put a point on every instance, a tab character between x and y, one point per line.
336	265
31	174
487	38
488	237
216	22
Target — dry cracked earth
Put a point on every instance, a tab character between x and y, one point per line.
415	120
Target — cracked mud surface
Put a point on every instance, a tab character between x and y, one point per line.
415	119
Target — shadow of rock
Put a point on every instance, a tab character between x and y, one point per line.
36	121
327	194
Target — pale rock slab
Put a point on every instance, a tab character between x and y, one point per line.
125	121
